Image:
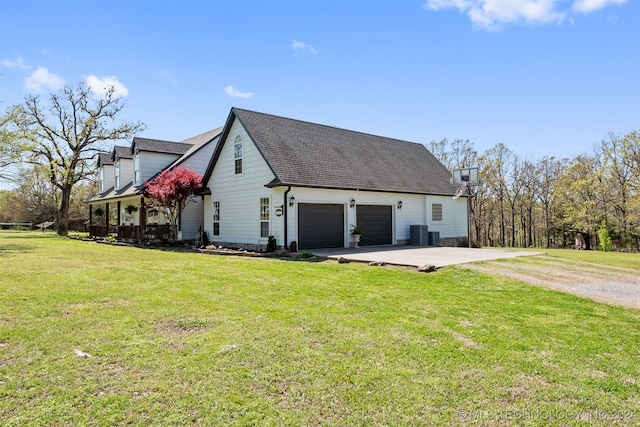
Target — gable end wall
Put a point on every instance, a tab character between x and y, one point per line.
239	195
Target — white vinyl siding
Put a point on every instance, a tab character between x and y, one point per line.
152	163
239	194
454	216
108	178
123	172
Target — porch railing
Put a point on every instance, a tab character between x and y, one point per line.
160	232
129	232
102	230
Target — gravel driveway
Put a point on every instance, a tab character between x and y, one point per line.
613	285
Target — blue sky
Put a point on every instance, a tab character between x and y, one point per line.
544	77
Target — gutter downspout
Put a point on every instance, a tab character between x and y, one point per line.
286	223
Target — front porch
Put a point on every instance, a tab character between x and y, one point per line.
129	219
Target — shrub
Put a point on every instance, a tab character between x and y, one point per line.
604	238
271	244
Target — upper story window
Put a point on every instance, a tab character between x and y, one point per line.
101	178
117	169
436	212
136	167
238	154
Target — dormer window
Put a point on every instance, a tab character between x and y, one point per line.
101	178
136	167
238	154
117	169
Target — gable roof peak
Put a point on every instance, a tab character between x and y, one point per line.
158	146
120	152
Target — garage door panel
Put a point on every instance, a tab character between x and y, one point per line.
320	225
376	224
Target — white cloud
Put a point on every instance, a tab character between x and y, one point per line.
18	63
494	14
41	79
235	93
297	45
100	85
587	6
164	74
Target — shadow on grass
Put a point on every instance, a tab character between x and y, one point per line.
14	249
13	234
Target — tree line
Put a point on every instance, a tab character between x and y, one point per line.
589	201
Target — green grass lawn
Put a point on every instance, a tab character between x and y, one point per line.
189	339
615	259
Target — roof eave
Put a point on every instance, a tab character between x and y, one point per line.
274	184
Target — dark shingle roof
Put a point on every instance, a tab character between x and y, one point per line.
104	159
159	146
186	148
121	152
313	155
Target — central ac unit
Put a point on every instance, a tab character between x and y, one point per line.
419	235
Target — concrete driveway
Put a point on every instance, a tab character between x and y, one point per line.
416	256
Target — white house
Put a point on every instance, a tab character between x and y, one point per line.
310	184
122	175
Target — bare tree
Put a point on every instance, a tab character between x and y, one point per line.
441	151
498	162
9	155
66	141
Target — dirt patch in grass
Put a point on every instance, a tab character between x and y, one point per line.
609	284
184	325
466	341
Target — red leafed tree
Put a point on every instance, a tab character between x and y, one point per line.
173	189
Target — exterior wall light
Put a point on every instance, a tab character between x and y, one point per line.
292	201
352	203
399	204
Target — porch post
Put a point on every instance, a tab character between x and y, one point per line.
106	215
143	218
118	215
90	219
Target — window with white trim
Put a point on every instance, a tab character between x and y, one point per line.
152	216
101	178
216	218
117	168
136	168
238	154
436	212
264	217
